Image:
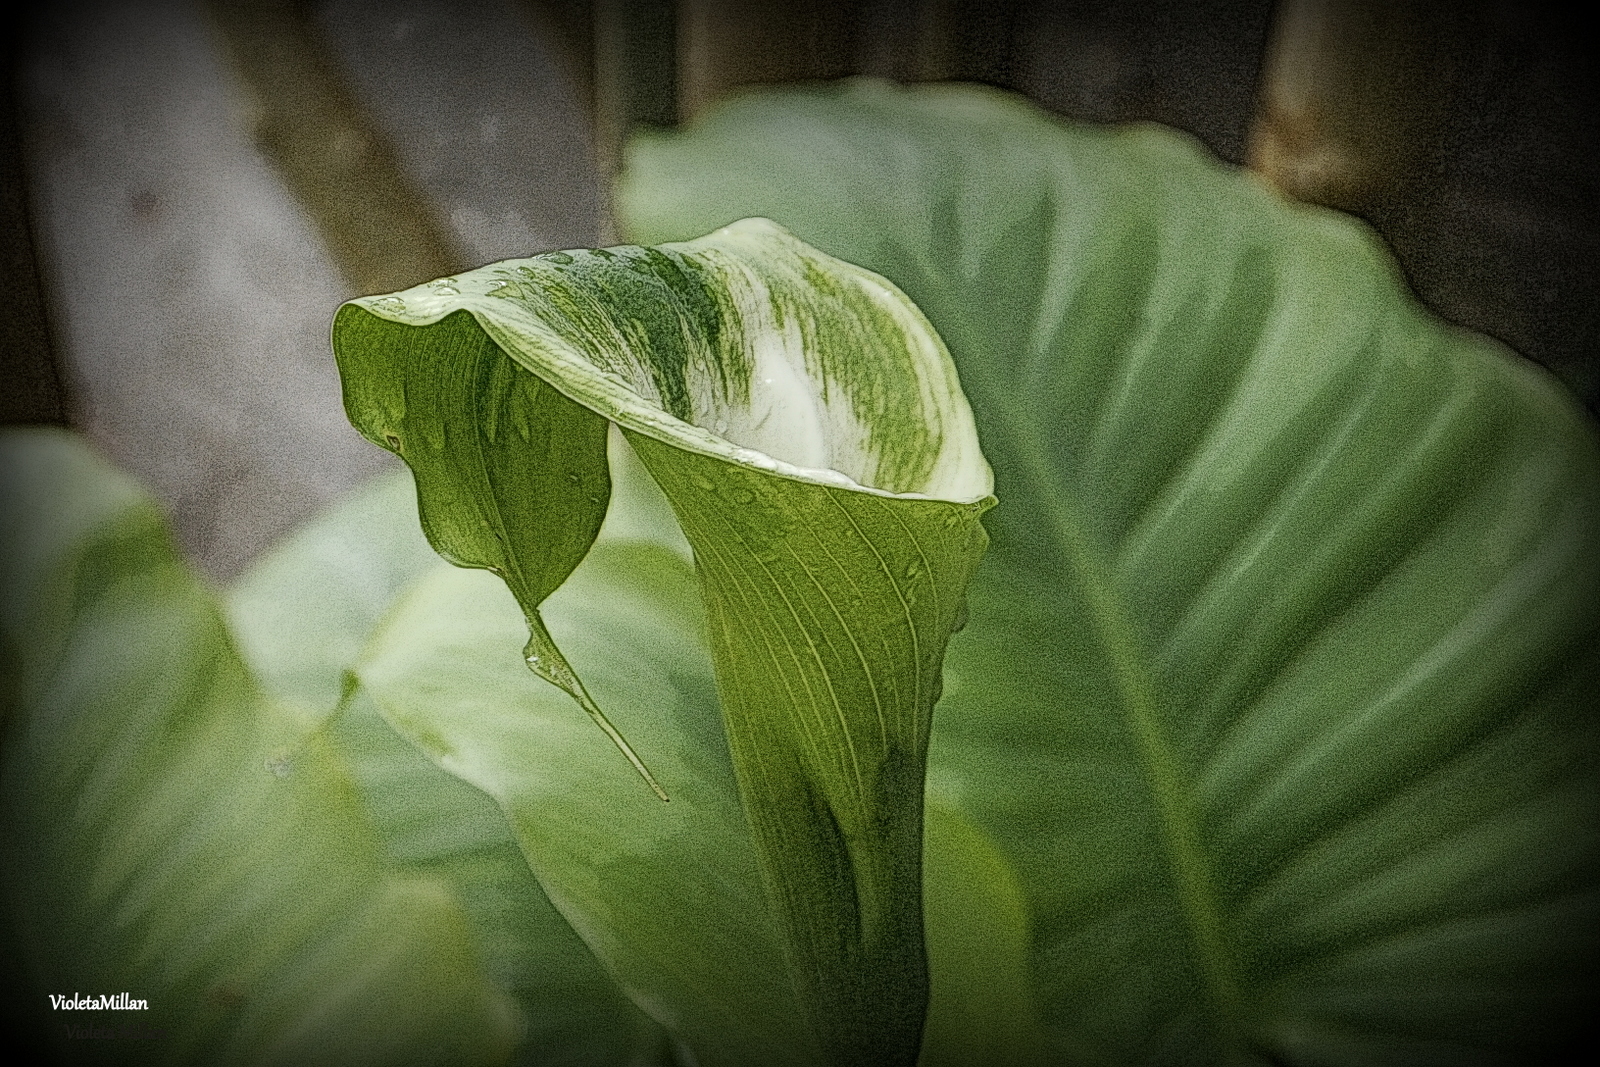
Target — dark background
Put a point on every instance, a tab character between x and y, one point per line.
365	147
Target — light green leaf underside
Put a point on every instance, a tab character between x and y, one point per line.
432	823
170	833
669	896
1279	682
301	615
301	612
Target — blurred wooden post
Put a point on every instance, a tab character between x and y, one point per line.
635	82
726	44
568	27
380	230
1353	103
661	62
30	384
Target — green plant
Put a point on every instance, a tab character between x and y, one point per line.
1271	737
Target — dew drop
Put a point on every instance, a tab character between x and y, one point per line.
533	661
558	257
573	478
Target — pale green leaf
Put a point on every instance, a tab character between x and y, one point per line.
1279	687
981	1009
433	824
301	615
301	612
668	895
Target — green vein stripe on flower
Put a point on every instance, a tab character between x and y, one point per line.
745	344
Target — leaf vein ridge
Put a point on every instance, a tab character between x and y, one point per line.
1136	700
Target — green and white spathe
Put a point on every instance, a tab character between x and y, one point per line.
747	345
807	426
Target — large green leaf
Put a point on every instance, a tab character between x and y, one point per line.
170	833
807	428
1279	687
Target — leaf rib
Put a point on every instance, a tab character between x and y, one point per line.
861	657
811	646
1136	700
911	625
844	572
753	603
